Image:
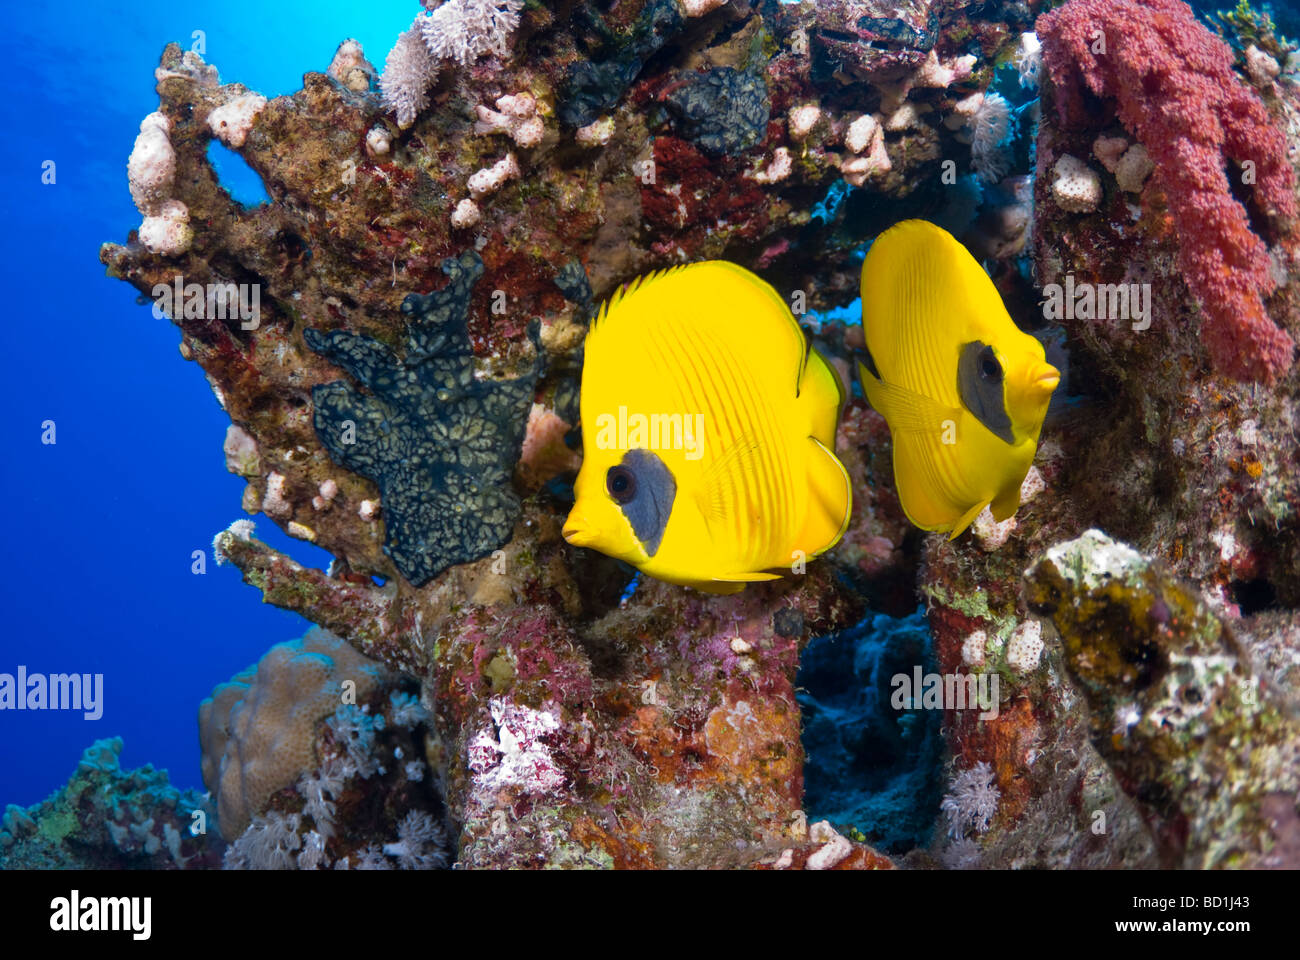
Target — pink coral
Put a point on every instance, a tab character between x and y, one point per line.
1175	89
518	756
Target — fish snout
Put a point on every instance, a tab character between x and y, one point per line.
1045	379
578	531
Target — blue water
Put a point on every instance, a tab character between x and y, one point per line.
100	526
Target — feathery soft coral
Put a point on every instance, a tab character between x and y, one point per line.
408	73
1175	90
460	30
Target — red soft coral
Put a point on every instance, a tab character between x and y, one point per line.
1175	90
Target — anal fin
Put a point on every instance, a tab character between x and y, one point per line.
967	519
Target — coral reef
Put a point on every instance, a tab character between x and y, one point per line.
109	818
571	714
568	727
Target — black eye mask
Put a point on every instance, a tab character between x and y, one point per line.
646	497
979	383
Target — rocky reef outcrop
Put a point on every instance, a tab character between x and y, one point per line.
404	397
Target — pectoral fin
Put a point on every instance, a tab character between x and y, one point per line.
822	395
907	410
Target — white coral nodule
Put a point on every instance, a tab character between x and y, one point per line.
152	167
151	173
597	133
168	231
232	121
515	115
865	140
1076	187
493	178
1025	647
802	120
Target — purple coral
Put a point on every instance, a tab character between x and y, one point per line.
518	756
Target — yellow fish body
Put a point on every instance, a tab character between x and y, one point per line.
963	389
708	431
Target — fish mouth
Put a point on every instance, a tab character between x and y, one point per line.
577	532
1047	380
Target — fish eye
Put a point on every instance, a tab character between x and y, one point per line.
990	369
621	484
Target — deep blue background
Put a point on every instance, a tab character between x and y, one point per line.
98	530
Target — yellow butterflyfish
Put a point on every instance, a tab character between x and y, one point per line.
708	428
964	390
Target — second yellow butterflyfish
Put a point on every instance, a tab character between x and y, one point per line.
963	389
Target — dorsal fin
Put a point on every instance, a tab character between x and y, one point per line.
632	286
769	330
